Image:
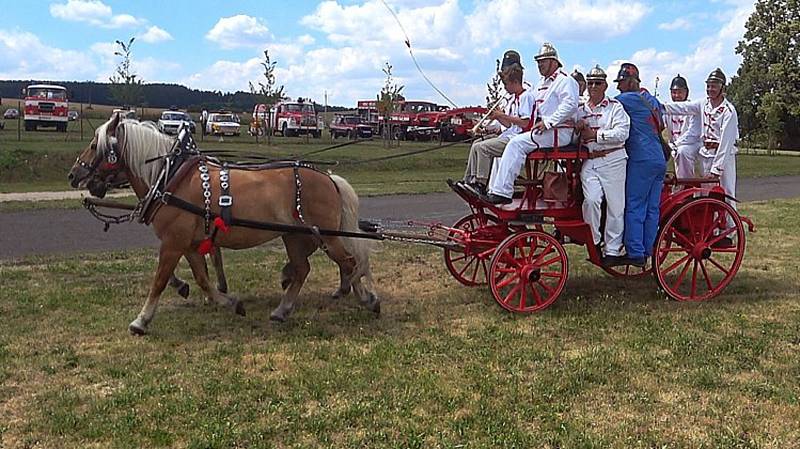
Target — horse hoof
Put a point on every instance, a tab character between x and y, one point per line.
278	318
183	290
239	309
136	328
374	304
341	292
222	288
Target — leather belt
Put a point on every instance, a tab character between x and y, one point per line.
711	145
603	153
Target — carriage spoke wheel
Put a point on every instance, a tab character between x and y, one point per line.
699	250
528	271
470	268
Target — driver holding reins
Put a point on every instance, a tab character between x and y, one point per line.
515	117
556	104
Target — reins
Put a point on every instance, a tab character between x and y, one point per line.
408	153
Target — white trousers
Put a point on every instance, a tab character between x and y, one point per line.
517	150
728	178
685	160
605	177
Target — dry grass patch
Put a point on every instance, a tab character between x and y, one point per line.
611	364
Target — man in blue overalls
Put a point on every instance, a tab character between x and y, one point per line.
646	167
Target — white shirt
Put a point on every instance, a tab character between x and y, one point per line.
520	106
684	130
719	126
610	121
556	99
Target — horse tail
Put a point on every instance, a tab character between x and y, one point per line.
358	248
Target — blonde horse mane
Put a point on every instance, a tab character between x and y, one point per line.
137	142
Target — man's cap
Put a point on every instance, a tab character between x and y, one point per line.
627	70
548	51
510	58
596	74
717	76
679	82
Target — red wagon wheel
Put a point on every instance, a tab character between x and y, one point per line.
470	267
699	250
528	271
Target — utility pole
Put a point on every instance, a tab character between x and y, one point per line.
325	116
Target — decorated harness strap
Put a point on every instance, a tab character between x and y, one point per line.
223	221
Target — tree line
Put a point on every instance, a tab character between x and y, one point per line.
155	95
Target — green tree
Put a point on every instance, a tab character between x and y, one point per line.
126	87
388	98
267	90
766	88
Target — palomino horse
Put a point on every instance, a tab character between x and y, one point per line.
98	185
261	196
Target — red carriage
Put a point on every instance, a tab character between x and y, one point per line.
519	249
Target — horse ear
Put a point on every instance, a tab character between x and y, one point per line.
111	130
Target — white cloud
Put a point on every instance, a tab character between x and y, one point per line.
94	12
712	51
678	24
24	56
227	76
543	20
239	31
447	41
154	35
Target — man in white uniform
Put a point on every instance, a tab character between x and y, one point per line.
556	104
603	126
719	131
517	114
684	132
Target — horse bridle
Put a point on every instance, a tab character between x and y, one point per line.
109	161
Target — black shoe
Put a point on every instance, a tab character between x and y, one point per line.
723	243
475	188
636	261
612	261
491	198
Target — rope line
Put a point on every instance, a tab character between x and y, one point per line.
413	58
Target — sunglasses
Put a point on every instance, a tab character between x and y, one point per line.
595	83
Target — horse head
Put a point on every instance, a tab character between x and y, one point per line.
100	166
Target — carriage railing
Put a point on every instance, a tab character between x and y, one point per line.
561	164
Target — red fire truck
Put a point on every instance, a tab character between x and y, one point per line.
46	105
290	118
421	120
368	113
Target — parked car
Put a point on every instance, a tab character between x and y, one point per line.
170	121
11	114
126	114
223	124
350	126
72	115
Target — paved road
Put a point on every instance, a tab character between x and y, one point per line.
59	231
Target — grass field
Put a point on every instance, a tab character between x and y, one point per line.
41	160
611	364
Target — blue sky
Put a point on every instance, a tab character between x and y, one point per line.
339	46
